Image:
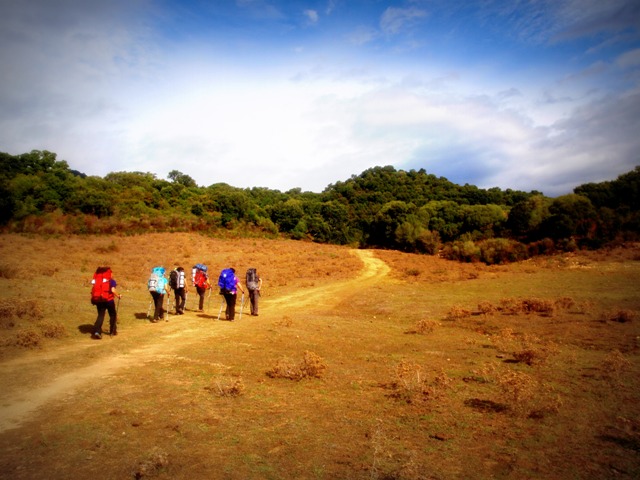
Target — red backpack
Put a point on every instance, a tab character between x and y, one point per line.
101	286
200	279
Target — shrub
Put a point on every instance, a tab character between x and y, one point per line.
52	329
28	338
410	385
457	313
312	366
620	316
487	308
423	327
233	388
8	271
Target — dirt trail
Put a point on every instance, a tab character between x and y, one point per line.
30	382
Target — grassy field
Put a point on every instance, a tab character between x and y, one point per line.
361	365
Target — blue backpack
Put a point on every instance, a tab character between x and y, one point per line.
227	281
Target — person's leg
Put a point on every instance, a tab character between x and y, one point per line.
231	305
97	327
180	300
201	292
113	318
253	295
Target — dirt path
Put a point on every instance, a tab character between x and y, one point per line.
32	381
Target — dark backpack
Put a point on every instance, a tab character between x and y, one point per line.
173	279
101	286
227	281
252	279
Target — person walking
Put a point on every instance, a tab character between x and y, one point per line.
200	280
158	289
179	285
254	283
103	293
229	285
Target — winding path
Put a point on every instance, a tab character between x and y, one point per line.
30	382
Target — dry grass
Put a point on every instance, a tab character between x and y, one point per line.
541	388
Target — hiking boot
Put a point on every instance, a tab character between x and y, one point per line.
96	336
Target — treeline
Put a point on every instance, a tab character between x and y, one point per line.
382	207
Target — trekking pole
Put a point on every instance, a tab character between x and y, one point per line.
221	305
115	323
166	313
149	309
241	305
209	298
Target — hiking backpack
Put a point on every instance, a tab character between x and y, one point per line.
252	279
173	279
199	275
227	280
155	283
101	286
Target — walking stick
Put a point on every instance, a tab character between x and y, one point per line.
115	322
241	305
221	305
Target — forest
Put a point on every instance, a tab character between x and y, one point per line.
411	211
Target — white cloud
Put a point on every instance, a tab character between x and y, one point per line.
396	20
312	16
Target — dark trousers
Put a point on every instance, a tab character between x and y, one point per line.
201	291
113	320
158	299
253	298
180	299
230	298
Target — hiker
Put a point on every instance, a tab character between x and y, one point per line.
157	286
179	286
200	280
103	293
229	285
254	283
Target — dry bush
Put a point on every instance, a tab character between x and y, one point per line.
423	327
527	396
229	388
537	305
565	303
312	366
526	348
515	306
410	385
519	388
24	309
153	465
614	365
487	308
30	309
52	329
457	313
110	248
284	322
27	338
620	316
510	306
8	271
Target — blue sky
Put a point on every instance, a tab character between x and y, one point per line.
530	95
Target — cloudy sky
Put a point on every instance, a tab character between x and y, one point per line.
530	95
